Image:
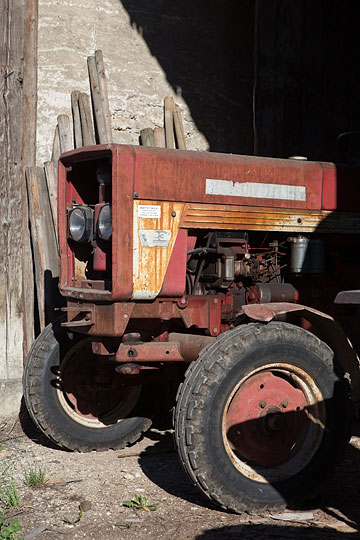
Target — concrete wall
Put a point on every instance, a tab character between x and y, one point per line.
198	52
72	30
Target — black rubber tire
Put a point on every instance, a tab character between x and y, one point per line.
43	404
201	403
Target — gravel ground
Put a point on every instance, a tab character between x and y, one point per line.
99	483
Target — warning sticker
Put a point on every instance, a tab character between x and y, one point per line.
149	211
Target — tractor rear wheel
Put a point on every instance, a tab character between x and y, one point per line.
262	417
76	399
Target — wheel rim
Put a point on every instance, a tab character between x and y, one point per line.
90	391
273	422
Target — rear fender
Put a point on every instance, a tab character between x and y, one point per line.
329	330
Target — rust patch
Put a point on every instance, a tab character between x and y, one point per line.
155	229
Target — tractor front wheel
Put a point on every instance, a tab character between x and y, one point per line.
76	399
262	417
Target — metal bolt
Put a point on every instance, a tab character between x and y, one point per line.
216	300
284	404
299	220
125	315
136	194
183	300
173	214
215	330
262	403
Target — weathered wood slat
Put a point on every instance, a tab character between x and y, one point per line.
78	142
28	159
13	202
66	143
159	136
169	122
43	242
179	128
100	68
56	146
87	127
52	185
96	101
147	137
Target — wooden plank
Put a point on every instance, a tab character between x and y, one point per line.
169	122
52	185
159	137
96	101
100	68
12	201
78	142
86	120
43	243
30	84
65	136
56	146
147	137
179	128
28	159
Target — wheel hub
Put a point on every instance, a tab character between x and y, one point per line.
91	391
267	421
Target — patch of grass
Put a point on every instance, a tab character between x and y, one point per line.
35	477
123	524
9	496
73	521
9	530
139	503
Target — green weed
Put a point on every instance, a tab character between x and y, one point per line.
9	495
139	503
9	530
73	521
35	477
123	524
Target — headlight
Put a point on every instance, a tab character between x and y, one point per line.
104	224
81	224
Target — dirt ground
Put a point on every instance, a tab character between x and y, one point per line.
101	482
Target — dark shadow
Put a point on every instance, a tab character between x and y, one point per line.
265	75
164	470
32	431
271	532
54	301
205	49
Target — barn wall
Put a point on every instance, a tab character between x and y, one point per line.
307	81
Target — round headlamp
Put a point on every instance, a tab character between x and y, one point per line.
104	224
81	224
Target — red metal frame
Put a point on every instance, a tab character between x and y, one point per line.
167	175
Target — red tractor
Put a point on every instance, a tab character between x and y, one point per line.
192	271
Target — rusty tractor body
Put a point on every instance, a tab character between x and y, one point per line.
221	266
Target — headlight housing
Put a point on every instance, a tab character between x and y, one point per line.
104	224
81	224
